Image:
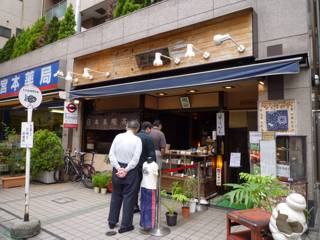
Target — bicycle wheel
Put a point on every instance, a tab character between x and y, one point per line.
87	172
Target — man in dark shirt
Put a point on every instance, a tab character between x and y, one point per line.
148	152
159	141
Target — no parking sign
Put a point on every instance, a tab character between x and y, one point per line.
70	119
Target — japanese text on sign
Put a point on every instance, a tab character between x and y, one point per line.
26	135
42	77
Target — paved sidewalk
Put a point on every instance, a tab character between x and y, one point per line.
70	211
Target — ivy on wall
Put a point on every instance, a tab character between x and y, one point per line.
38	35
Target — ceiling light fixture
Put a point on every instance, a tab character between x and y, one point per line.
190	51
57	111
219	39
228	87
162	94
76	101
158	62
261	83
192	90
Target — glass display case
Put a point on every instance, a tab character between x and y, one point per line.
291	157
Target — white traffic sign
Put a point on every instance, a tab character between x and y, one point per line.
30	96
70	119
26	135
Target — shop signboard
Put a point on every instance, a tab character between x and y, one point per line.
278	116
41	77
220	124
26	135
70	116
218	176
110	121
268	161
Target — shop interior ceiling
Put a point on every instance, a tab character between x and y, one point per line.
238	86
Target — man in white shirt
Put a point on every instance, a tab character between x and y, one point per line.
124	156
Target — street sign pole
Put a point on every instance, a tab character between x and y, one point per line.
30	97
27	183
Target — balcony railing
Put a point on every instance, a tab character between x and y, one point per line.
57	10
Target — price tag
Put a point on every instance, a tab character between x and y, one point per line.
179	161
191	162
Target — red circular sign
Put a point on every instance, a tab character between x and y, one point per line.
71	107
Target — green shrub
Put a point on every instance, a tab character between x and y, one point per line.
47	152
30	38
96	180
53	31
67	24
127	6
6	51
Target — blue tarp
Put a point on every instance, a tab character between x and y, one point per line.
288	66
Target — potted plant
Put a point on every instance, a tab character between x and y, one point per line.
256	191
11	160
95	183
171	214
103	181
182	195
46	155
190	190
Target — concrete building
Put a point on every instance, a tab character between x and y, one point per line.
16	15
279	30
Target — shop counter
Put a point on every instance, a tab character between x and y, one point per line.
178	167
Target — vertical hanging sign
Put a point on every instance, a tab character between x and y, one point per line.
70	119
220	124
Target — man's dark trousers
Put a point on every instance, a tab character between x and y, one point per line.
123	191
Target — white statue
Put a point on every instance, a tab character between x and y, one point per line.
288	220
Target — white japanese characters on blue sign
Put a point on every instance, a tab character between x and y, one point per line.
42	77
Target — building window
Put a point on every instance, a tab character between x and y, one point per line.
5	32
18	31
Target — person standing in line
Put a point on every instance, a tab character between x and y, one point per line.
159	141
148	153
124	156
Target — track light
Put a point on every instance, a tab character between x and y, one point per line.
86	73
69	76
219	39
190	52
59	73
158	61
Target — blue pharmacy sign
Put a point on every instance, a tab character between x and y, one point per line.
42	77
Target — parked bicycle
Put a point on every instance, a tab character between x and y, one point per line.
75	169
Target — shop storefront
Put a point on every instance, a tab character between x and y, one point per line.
204	84
50	113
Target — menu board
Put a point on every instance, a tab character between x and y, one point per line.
268	162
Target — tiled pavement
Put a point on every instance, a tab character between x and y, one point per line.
70	211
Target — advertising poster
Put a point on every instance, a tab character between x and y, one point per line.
254	151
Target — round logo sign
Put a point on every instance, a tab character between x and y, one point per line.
71	107
30	96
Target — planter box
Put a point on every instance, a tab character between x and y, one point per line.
9	182
46	177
